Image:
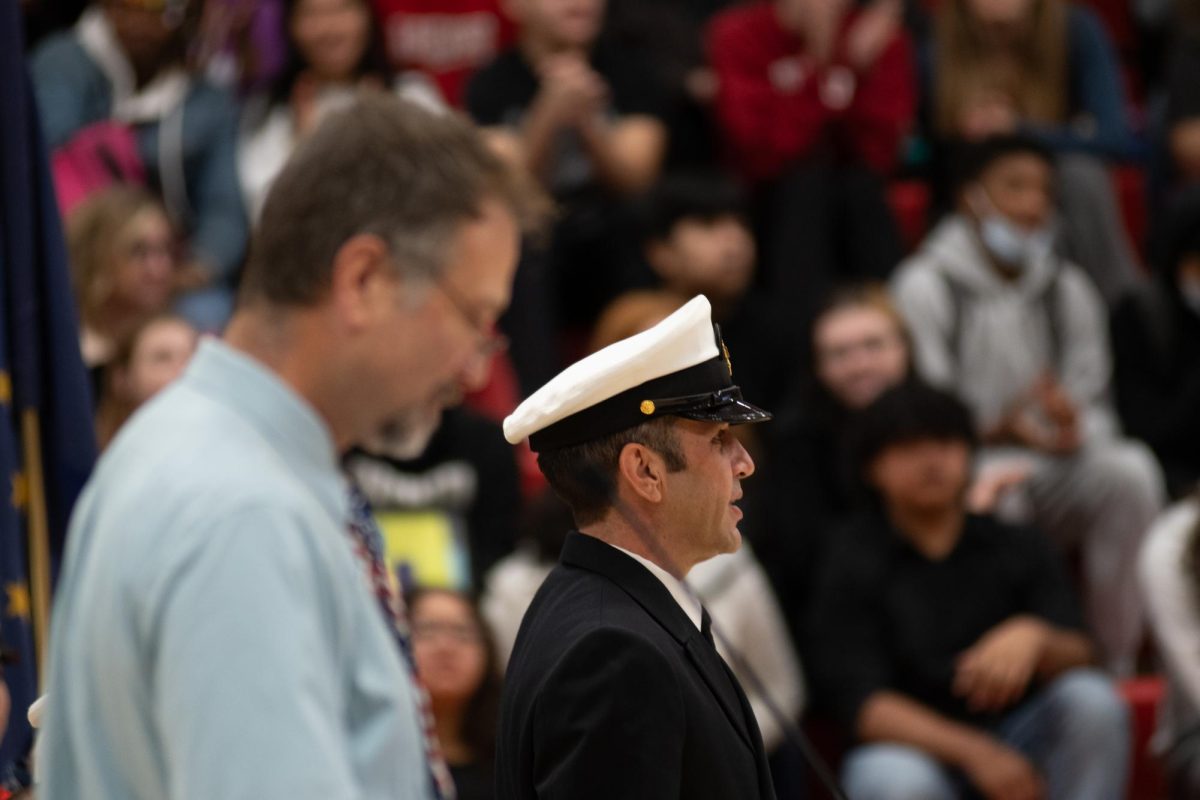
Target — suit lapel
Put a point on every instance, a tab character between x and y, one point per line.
585	551
720	681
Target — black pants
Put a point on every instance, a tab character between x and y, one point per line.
824	224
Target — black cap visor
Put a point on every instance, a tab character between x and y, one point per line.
723	405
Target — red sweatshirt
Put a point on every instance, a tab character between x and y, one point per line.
448	40
775	104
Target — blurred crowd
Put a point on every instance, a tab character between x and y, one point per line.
996	198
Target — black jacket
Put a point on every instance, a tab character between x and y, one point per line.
613	693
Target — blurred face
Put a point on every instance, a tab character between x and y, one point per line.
565	23
146	29
145	263
160	355
331	35
712	257
448	647
924	475
702	496
1019	187
424	358
859	353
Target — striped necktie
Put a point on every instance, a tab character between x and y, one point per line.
368	545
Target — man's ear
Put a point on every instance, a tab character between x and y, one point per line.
643	470
361	280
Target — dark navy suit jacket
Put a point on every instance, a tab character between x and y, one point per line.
613	694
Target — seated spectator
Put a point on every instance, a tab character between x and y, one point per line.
813	99
585	118
123	268
1170	578
333	49
123	65
1156	350
1045	68
514	579
456	662
1019	333
949	646
147	361
445	41
697	239
1183	93
860	348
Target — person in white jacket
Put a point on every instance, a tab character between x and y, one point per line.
1169	569
1021	334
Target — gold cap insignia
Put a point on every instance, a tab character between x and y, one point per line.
647	407
728	363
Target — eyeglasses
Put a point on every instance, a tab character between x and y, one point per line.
490	342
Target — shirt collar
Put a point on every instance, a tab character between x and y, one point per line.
687	600
286	421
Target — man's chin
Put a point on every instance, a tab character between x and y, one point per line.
405	439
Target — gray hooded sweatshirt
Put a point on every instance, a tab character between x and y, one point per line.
989	339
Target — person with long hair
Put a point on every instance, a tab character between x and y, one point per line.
1169	570
861	347
1046	68
456	661
123	264
147	361
123	69
332	47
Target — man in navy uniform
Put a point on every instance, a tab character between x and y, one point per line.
614	689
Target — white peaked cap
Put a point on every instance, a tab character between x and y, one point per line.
682	353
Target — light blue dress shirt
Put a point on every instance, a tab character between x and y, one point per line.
213	635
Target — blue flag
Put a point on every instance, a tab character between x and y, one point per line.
43	383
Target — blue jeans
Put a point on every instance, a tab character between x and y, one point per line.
1075	731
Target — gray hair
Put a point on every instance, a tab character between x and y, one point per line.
382	166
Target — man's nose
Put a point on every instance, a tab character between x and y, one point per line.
743	464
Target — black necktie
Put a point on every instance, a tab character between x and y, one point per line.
706	626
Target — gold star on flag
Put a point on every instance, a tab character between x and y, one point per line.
18	599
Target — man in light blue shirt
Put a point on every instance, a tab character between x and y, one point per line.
213	635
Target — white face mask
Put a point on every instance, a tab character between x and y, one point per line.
1189	290
1010	244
